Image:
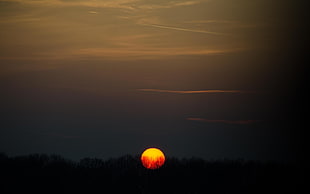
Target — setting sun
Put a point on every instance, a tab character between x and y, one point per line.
152	158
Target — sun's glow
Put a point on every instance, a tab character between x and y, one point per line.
152	158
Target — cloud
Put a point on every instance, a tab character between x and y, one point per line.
90	33
20	20
121	4
226	23
92	12
235	122
169	4
212	21
124	52
191	91
183	29
186	3
136	52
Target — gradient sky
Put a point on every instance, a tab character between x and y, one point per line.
103	78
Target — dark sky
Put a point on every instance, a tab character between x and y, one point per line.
210	79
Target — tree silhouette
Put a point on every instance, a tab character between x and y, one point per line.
41	173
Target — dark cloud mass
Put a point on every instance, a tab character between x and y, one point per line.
211	79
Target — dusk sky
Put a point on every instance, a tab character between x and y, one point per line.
197	78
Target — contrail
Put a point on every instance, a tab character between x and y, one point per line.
183	29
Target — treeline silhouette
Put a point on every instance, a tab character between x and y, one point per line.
41	173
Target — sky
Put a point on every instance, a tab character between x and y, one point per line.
197	78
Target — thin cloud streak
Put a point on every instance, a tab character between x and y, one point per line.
191	91
92	12
168	5
183	29
124	53
227	23
142	52
21	19
133	5
210	21
235	122
121	4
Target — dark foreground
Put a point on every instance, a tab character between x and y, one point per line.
41	173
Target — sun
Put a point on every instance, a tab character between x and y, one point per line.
152	158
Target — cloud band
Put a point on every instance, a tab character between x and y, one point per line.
191	91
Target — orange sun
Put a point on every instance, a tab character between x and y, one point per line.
152	158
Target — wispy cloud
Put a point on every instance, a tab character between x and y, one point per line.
121	4
20	19
185	3
212	21
141	52
236	122
93	12
123	35
169	4
191	91
123	53
183	29
226	23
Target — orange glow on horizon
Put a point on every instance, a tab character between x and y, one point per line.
152	158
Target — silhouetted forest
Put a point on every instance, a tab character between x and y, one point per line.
41	173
